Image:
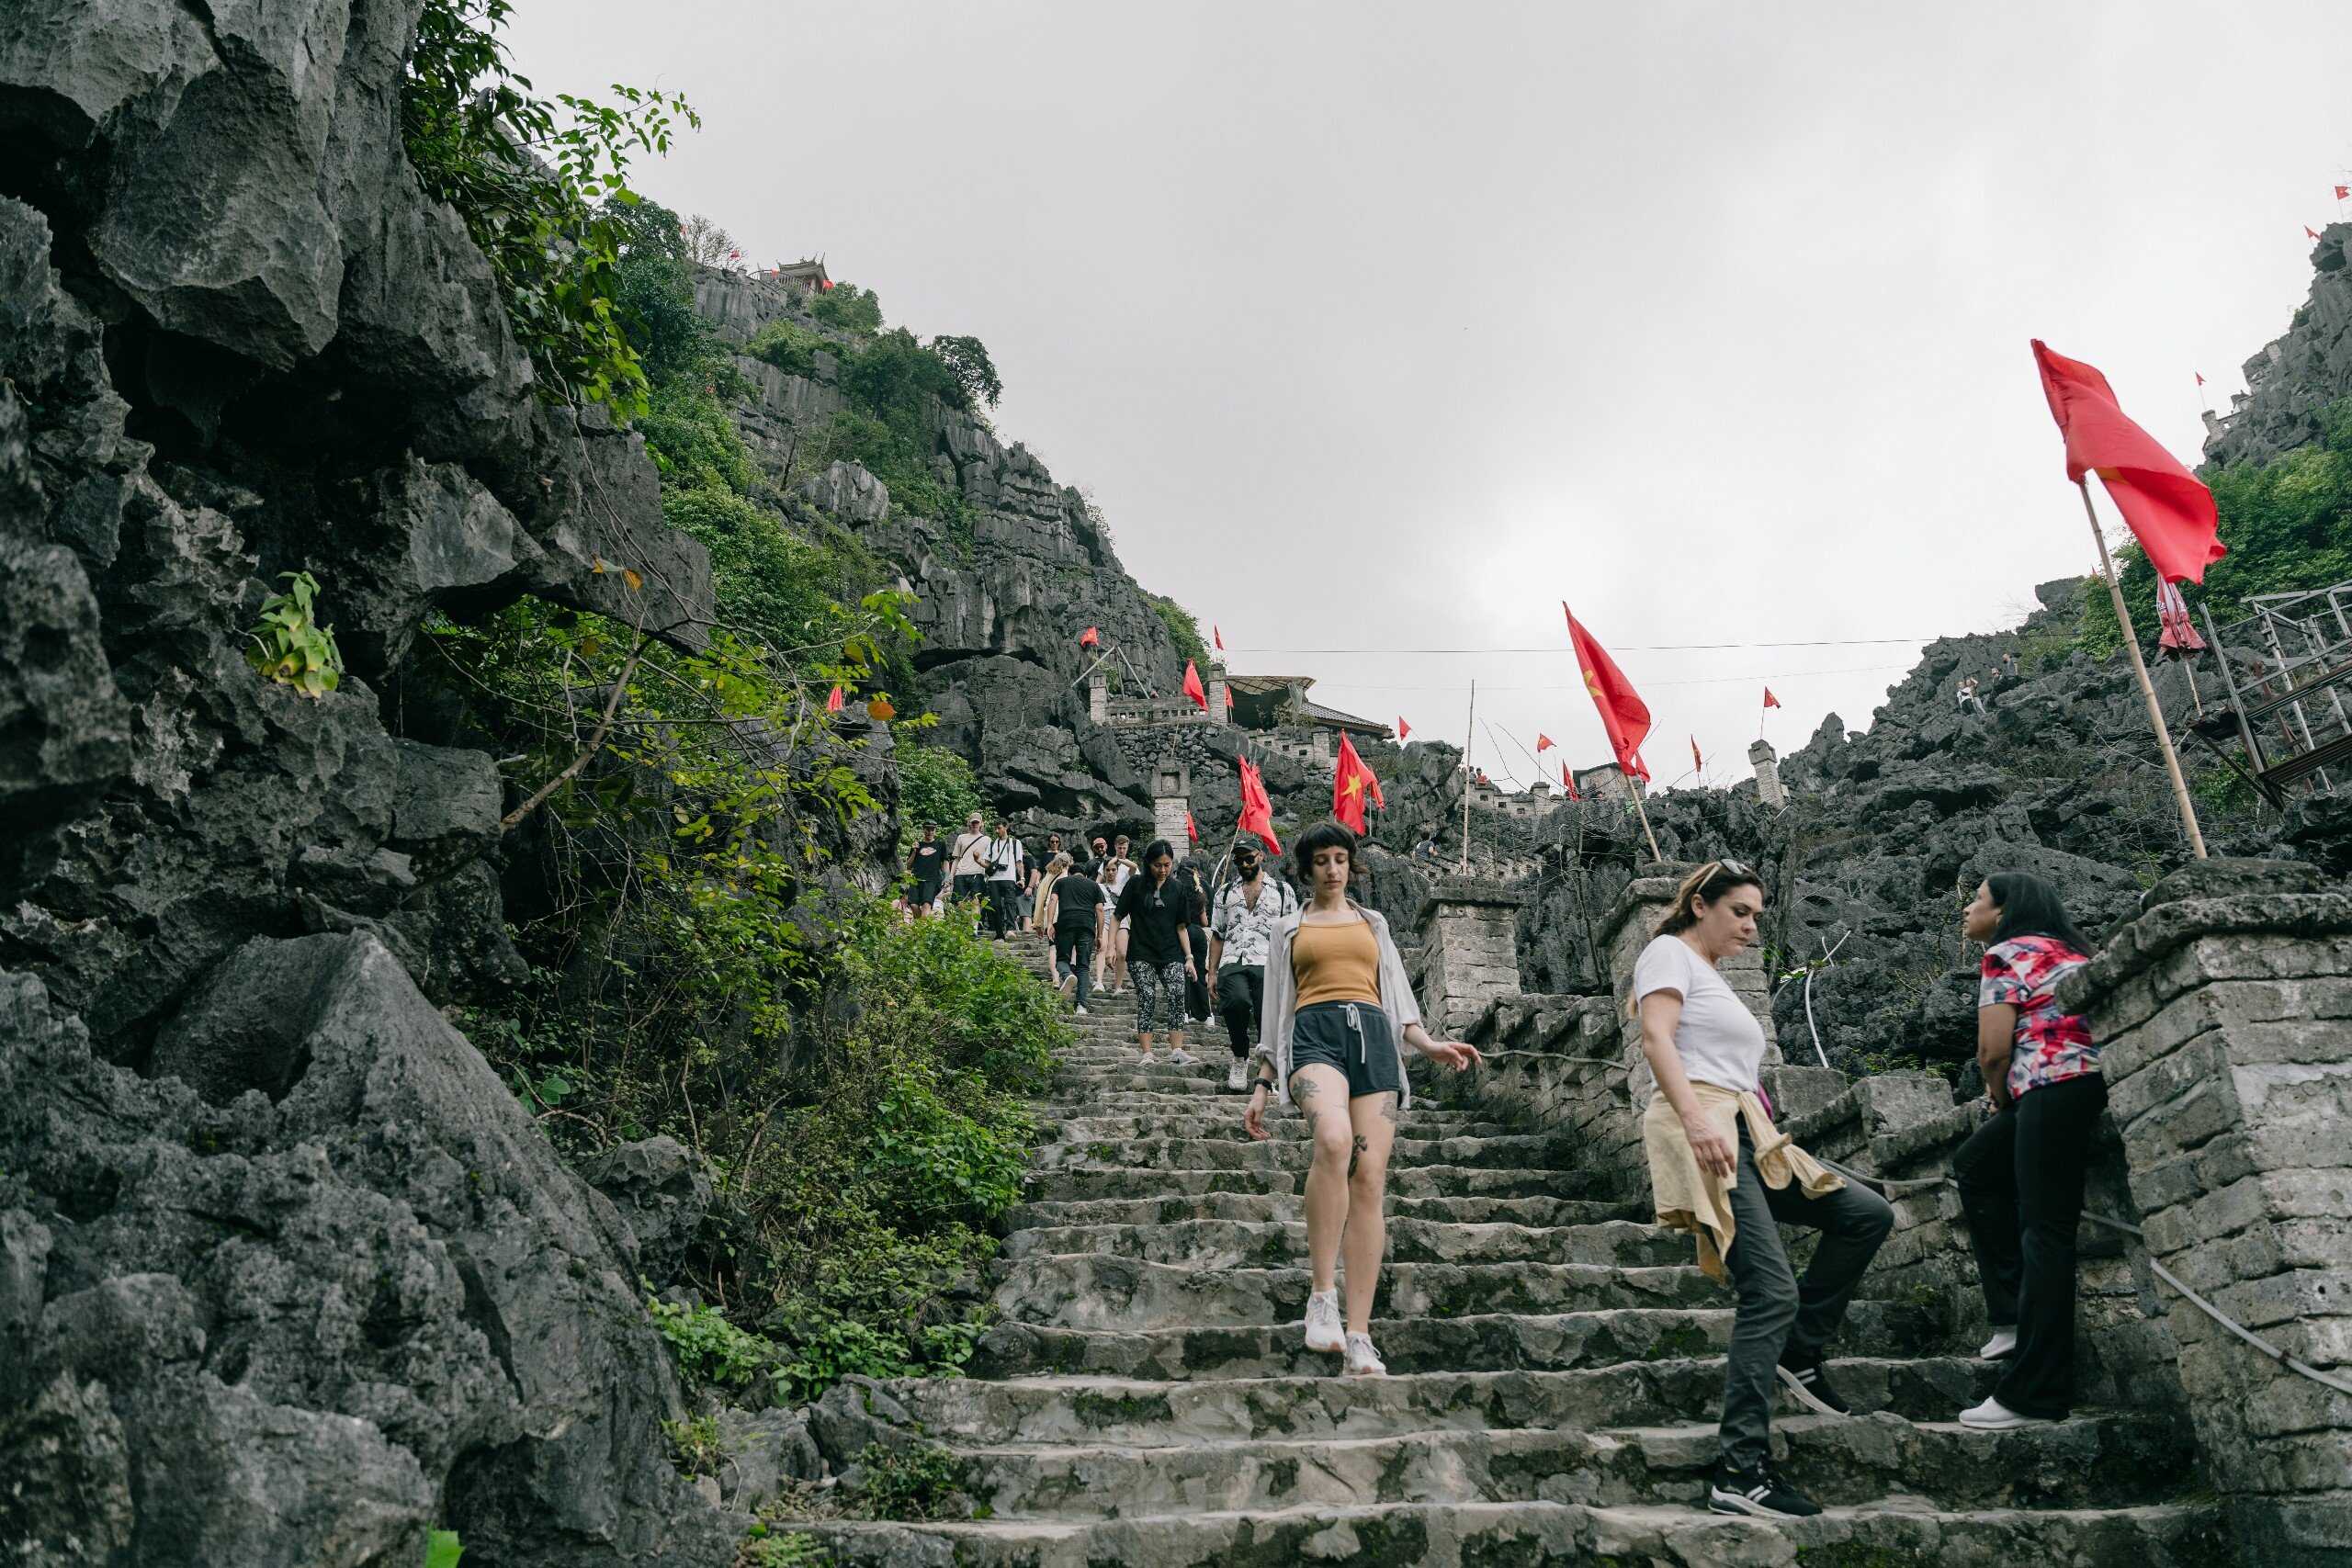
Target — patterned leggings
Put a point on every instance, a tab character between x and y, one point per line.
1159	996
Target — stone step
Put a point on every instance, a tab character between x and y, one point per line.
1225	1120
1265	1206
1078	1182
1629	1393
1099	1292
1241	1152
1486	1341
1241	1244
1556	1535
2093	1460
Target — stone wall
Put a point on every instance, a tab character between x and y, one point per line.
1470	951
2225	1014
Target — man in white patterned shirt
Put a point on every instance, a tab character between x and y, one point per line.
1242	930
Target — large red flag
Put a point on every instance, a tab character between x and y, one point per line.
1349	783
1568	782
1257	811
2343	191
1543	743
1090	637
1770	700
2170	513
1403	729
1193	687
1623	714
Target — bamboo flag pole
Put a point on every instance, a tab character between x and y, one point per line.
1635	786
1469	734
2140	669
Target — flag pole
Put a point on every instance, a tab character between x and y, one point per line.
1636	784
2140	669
1469	736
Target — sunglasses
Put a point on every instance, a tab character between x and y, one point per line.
1738	868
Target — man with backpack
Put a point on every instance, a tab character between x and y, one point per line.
1249	910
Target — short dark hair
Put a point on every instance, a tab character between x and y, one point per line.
1081	868
1322	836
2031	907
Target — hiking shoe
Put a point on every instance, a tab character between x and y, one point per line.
1236	1078
2001	1347
1810	1383
1323	1320
1756	1492
1995	1416
1364	1362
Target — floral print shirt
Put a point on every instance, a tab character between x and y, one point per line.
2051	1045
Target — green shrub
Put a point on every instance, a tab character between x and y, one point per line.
711	1351
443	1550
791	347
921	1481
848	308
1182	630
968	361
289	646
936	786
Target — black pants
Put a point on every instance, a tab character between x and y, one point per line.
1782	1317
1197	1003
970	886
1003	907
1241	1001
1074	955
2020	1179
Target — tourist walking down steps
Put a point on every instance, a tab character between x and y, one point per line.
1154	911
1338	1015
1240	936
1720	1169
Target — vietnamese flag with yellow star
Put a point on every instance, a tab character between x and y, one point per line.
1349	785
1622	713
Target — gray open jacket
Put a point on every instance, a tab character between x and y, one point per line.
1281	999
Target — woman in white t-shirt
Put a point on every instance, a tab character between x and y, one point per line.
1720	1169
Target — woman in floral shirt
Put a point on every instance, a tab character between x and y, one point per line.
2021	1174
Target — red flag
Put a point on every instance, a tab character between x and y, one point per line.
2201	376
1257	811
1697	761
1089	637
1403	729
1193	687
2309	233
1228	699
2170	513
1543	743
1219	635
1770	700
734	255
1568	782
1349	783
2180	633
2343	191
1192	829
1622	713
833	704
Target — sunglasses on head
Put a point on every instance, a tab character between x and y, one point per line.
1738	868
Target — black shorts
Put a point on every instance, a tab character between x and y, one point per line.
1354	1039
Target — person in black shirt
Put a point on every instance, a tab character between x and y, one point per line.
1155	910
1074	904
928	866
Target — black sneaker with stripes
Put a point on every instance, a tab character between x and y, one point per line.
1810	1383
1757	1491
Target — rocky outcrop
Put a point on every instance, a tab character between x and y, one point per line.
2297	373
285	1274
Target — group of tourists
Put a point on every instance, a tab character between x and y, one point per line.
1320	1015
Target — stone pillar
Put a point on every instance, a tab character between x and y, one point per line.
1607	782
1626	929
1218	712
1172	802
1767	774
1098	697
2224	1014
1470	951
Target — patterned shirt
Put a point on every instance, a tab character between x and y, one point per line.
2051	1046
1247	933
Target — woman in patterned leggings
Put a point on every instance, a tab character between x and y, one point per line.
1155	909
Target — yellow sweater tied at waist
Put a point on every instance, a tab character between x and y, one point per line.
1689	1198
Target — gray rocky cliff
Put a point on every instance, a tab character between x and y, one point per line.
286	1275
2297	373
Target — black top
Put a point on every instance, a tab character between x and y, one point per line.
1078	899
1157	914
930	862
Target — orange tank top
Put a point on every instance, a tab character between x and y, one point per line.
1336	964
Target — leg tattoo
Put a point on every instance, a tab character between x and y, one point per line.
1355	1153
1388	1112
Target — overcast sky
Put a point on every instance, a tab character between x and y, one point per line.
1381	326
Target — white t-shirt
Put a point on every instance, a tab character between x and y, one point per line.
1004	859
970	853
1719	1040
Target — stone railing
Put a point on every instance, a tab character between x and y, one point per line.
2225	1017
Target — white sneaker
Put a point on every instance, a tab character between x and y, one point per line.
1364	1362
2003	1344
1082	1009
1069	984
1323	1320
1995	1416
1179	1057
1236	1078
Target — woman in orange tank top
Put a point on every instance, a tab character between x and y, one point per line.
1338	1015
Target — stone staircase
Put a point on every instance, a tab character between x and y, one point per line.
1554	1370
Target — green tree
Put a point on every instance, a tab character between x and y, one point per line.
847	306
968	361
936	786
1182	630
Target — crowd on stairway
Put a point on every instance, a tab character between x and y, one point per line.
1319	1017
